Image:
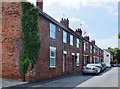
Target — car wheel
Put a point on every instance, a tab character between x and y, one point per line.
96	72
83	73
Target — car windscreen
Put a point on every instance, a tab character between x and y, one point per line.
90	65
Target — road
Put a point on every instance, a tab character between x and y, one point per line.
108	78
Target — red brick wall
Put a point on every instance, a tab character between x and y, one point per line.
11	42
42	67
12	46
0	39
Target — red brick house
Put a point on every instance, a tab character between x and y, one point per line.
63	50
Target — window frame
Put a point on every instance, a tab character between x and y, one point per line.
98	51
78	43
53	49
52	31
84	46
78	60
94	50
71	39
91	48
64	36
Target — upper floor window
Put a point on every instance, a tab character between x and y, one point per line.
78	43
98	51
52	56
71	39
84	46
94	50
90	48
64	37
52	31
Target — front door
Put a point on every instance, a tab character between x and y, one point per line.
64	56
73	62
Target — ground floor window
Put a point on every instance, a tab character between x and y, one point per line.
84	60
77	64
52	56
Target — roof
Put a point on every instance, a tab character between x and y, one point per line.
63	27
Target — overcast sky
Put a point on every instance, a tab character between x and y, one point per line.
99	18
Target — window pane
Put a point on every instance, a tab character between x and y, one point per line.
52	27
64	40
77	42
71	39
64	37
90	48
84	46
52	54
52	62
52	34
52	31
77	59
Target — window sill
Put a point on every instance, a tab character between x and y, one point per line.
53	38
71	45
52	67
64	43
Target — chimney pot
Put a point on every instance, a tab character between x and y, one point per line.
79	32
93	42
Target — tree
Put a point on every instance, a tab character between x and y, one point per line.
119	35
115	61
116	54
30	37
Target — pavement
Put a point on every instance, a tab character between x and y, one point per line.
108	79
10	82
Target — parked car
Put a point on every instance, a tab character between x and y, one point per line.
108	65
118	65
91	68
114	65
99	65
103	65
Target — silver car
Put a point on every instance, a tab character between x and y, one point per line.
90	68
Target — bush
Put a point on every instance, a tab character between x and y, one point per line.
30	37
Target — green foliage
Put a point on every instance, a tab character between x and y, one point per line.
116	54
119	35
30	37
115	61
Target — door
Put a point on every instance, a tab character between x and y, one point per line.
73	63
64	56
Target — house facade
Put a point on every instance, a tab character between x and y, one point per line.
63	51
107	58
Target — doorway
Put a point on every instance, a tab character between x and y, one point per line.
73	63
64	62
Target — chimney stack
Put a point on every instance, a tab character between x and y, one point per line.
65	22
93	42
39	3
79	32
87	37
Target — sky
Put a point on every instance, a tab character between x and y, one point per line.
98	18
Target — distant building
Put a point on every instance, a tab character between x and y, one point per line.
107	58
